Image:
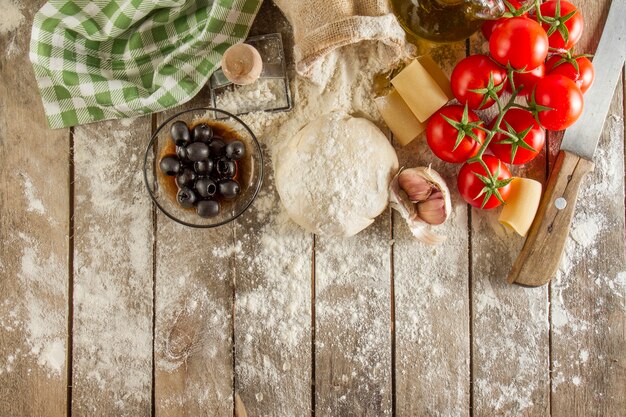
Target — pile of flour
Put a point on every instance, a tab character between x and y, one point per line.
341	83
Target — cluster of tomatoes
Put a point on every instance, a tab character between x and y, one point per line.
530	56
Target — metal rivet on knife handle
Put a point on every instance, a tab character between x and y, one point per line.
560	203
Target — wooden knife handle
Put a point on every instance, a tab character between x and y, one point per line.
540	257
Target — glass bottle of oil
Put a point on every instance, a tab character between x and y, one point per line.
444	20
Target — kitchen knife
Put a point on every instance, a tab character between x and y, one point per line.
540	257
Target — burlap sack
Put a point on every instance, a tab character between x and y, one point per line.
320	26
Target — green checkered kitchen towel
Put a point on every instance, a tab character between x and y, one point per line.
106	59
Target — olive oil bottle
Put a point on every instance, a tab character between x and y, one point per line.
444	20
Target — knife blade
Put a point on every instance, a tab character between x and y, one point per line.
540	256
583	137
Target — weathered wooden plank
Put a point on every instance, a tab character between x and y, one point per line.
272	309
353	323
587	297
113	237
34	225
588	332
431	297
510	328
510	340
193	314
273	303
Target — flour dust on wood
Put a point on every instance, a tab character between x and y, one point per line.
12	17
112	271
591	223
41	277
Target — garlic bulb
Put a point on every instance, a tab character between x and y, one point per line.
242	64
422	198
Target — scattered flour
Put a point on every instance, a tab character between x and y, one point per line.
228	251
42	277
128	122
34	204
272	307
584	356
53	356
266	93
585	232
112	281
582	294
12	16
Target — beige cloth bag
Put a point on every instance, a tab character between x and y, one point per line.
320	26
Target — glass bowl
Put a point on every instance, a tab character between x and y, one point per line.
162	189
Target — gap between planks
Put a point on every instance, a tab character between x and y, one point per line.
70	276
153	128
392	294
470	301
392	291
236	411
313	328
470	265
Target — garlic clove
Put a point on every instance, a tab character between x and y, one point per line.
429	207
414	184
433	210
242	64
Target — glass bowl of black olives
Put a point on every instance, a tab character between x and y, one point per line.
203	167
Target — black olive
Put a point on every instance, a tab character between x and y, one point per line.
225	168
186	197
217	146
197	151
181	152
170	165
229	189
186	178
208	208
203	133
206	187
203	167
235	150
180	133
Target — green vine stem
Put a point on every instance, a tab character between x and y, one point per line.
490	133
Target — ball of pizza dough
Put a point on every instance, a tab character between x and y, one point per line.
333	175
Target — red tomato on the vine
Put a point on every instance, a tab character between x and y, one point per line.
519	42
485	189
562	101
452	134
583	77
477	72
567	28
490	25
524	141
527	79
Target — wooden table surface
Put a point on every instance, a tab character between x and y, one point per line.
107	308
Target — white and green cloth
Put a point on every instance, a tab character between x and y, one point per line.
106	59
